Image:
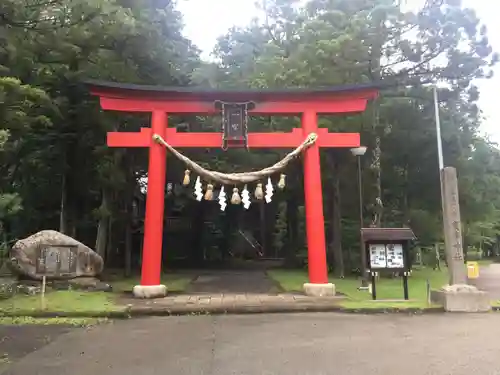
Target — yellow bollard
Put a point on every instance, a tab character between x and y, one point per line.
472	270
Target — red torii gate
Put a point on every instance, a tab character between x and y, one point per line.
161	101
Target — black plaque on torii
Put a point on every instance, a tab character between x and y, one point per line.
234	123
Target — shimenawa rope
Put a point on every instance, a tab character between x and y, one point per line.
238	178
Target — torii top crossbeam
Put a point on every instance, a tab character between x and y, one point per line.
160	101
209	95
178	100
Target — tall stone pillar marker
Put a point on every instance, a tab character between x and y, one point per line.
458	296
453	228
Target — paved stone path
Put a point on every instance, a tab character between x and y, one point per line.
297	344
235	303
223	291
234	291
234	282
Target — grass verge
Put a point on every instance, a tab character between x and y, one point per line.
28	320
174	283
389	291
74	302
57	301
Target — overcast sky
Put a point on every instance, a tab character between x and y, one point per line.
206	20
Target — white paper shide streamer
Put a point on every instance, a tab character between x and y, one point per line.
222	199
269	190
198	191
245	195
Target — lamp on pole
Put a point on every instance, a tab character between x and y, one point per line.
358	152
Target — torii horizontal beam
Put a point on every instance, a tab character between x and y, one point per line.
213	140
339	105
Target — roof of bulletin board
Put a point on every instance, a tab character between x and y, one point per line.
387	234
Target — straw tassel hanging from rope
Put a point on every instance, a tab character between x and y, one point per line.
235	199
281	183
209	194
259	193
187	179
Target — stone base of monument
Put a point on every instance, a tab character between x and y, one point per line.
149	291
88	284
461	298
319	290
8	287
29	290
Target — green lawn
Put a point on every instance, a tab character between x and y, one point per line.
64	300
174	282
28	320
81	301
387	289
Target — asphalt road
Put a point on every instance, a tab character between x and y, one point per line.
275	344
489	280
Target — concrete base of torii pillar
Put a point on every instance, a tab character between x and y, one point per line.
319	290
149	291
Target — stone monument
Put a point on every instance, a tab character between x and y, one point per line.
54	255
458	296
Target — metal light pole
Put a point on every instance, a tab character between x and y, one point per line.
439	147
358	152
438	132
440	162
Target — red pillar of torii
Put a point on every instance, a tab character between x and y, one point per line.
162	101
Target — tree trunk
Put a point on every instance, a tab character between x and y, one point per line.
227	231
375	73
197	211
406	199
72	164
292	229
103	226
67	216
63	224
438	256
262	226
377	172
270	220
336	245
109	245
128	245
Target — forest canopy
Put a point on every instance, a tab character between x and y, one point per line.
57	173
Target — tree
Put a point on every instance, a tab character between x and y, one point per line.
57	45
23	109
328	42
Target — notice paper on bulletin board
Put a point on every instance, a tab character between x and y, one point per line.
395	256
378	257
386	256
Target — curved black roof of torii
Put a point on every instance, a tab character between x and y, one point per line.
205	93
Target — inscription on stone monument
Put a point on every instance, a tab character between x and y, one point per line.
57	260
